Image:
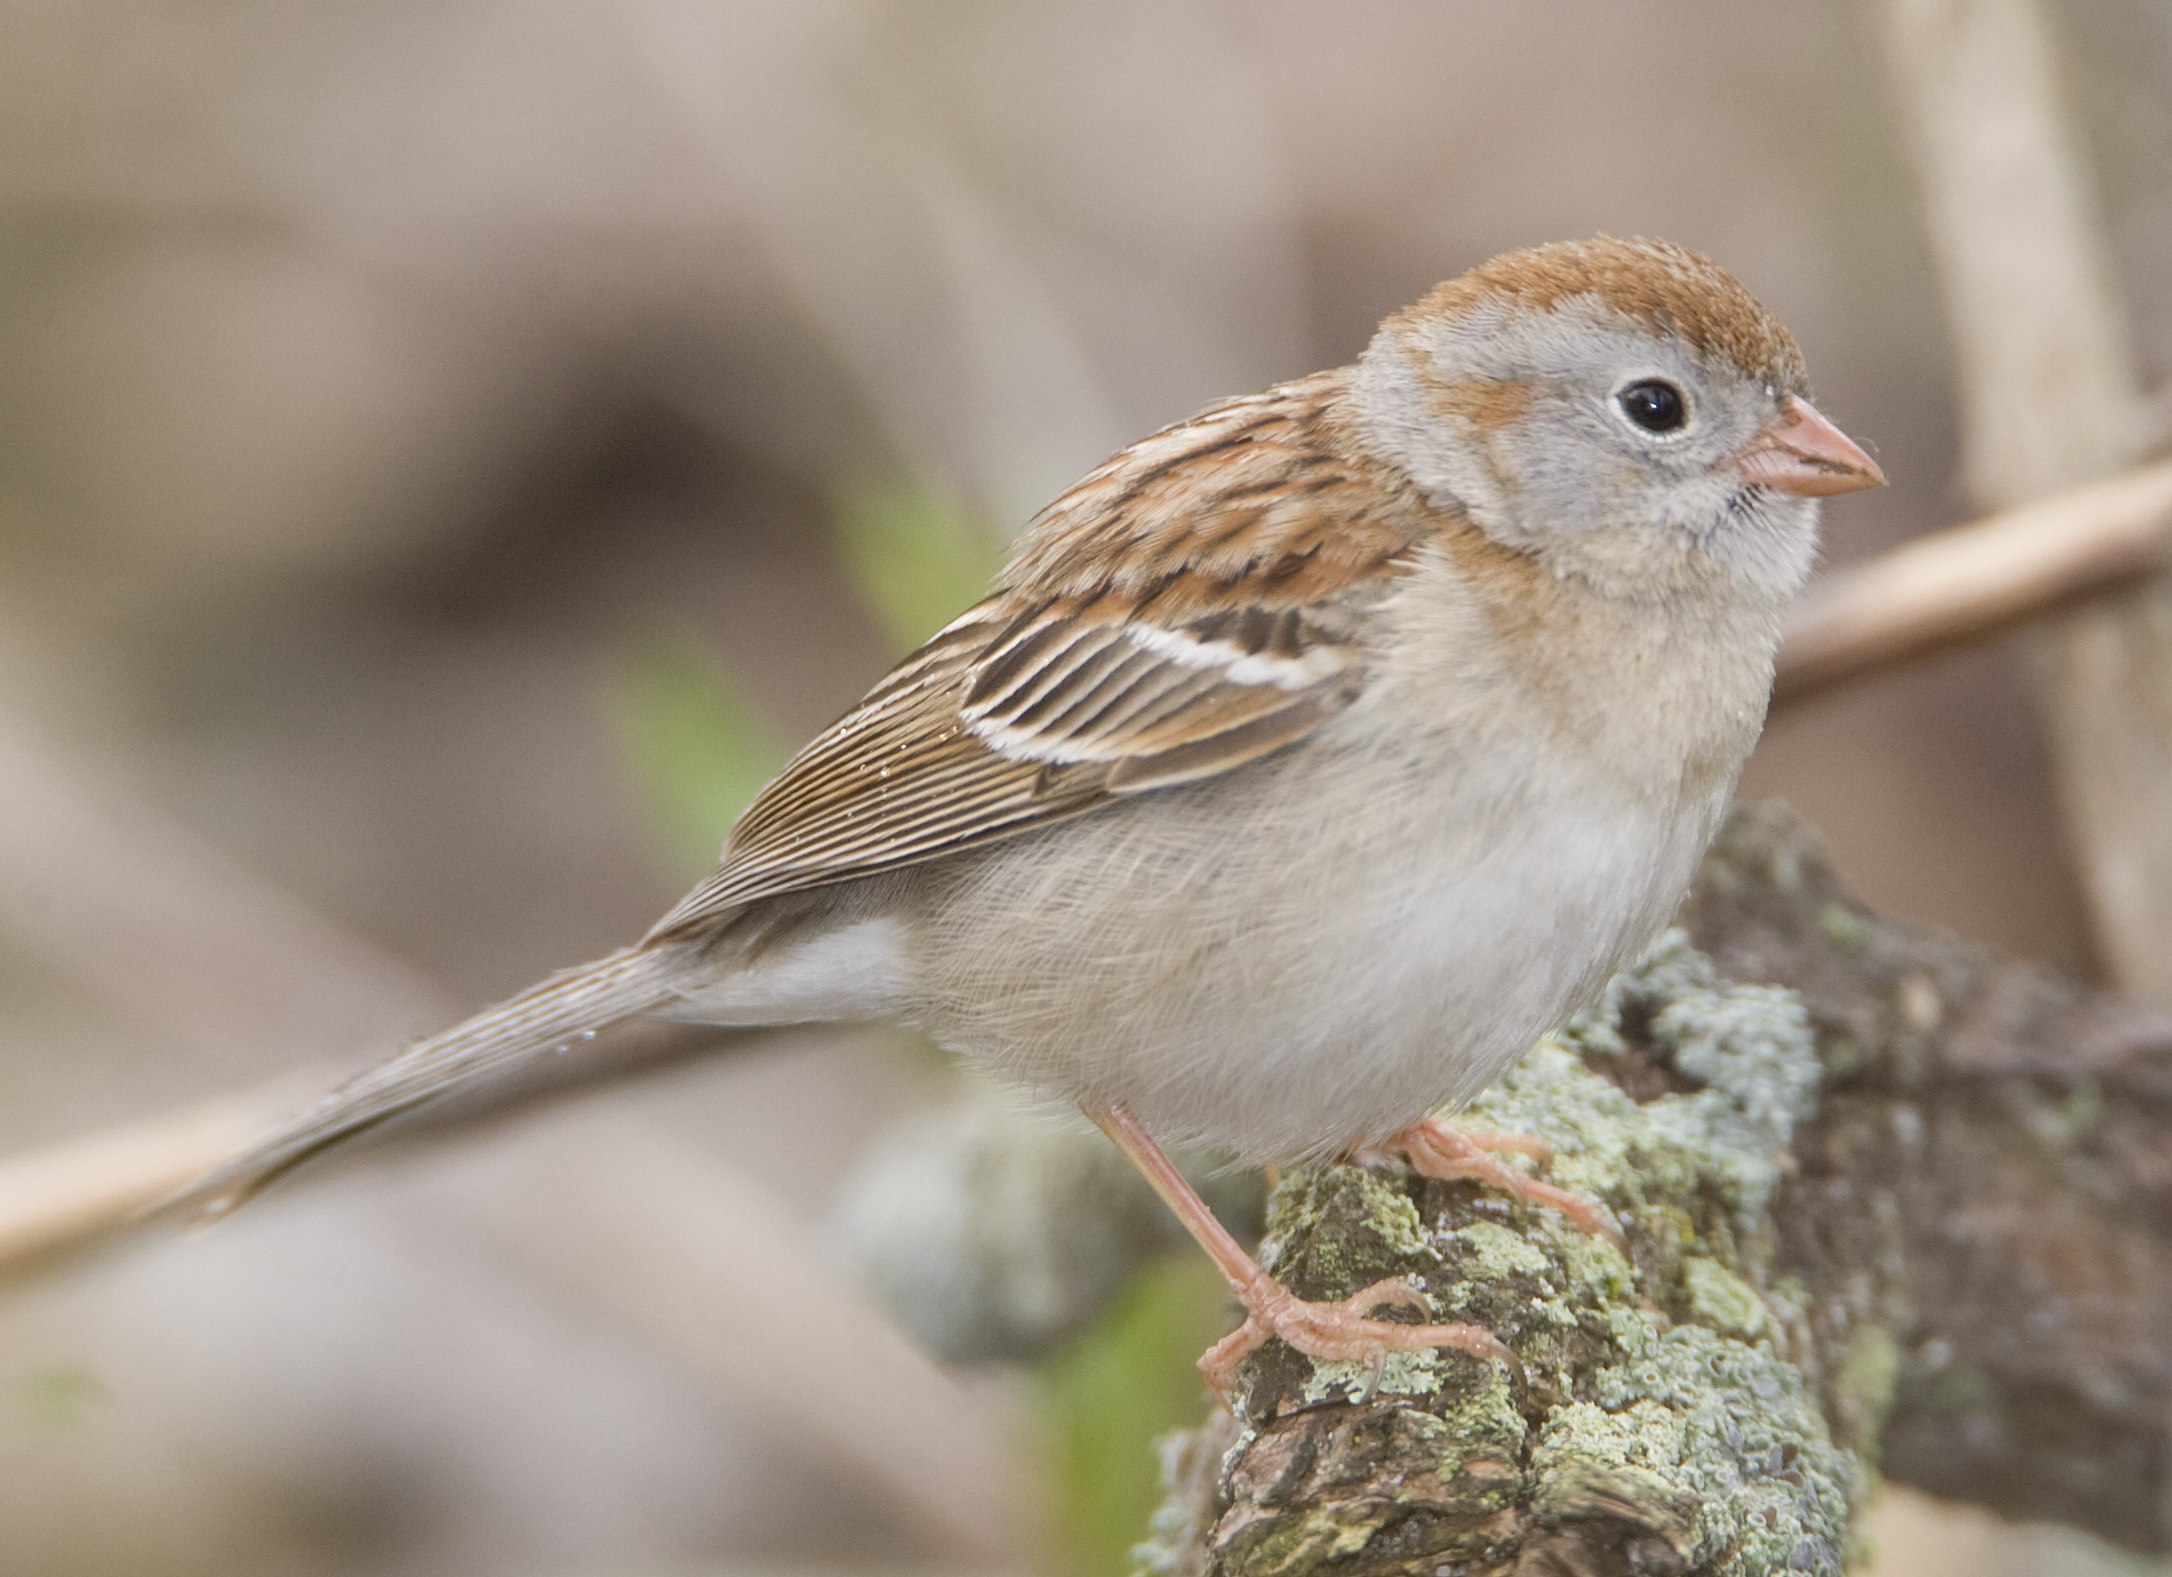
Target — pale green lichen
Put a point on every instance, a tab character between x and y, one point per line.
1397	1374
1706	1405
1747	1049
1485	1426
1717	1425
1657	1388
1721	1300
1313	1542
1487	1251
1539	1289
1342	1227
1336	1230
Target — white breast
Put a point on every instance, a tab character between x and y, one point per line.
1280	965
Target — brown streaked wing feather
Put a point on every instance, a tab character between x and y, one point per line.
1128	692
1193	604
897	780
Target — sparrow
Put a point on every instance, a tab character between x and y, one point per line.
1310	759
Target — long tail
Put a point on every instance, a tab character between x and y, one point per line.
560	1012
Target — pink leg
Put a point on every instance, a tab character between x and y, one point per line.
1319	1330
1434	1149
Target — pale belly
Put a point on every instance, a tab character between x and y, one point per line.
1284	974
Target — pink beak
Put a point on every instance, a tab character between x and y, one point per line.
1806	454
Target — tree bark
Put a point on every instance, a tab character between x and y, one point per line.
1892	1207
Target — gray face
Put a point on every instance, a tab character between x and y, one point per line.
1574	475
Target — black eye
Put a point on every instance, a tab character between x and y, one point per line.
1654	405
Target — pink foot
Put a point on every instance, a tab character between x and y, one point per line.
1319	1330
1453	1155
1339	1330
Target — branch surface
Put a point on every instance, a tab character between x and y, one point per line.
1988	1181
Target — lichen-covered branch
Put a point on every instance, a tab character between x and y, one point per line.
1988	1183
1888	1205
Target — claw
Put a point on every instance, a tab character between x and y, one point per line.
1341	1330
1452	1155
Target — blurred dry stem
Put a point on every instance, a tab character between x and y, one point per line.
1963	585
2050	395
72	1195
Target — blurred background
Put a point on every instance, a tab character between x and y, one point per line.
448	452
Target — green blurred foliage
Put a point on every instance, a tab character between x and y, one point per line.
1112	1394
698	747
916	563
55	1398
699	751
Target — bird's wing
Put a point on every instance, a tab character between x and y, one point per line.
1194	604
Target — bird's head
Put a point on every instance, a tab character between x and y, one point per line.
1623	410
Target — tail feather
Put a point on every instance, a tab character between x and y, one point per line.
562	1011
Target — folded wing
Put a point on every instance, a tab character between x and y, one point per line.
1196	603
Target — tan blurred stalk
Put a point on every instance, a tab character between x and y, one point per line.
1967	584
2050	396
71	1195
